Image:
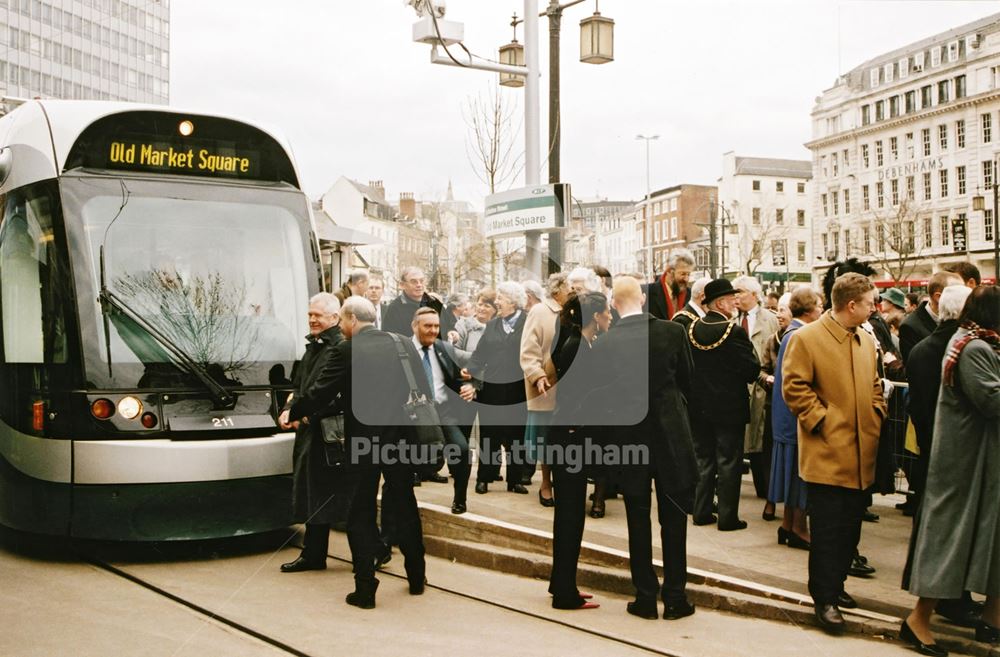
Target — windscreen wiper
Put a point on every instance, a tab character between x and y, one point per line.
220	395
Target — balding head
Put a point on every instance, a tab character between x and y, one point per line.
628	297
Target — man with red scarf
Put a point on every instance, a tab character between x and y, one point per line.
666	295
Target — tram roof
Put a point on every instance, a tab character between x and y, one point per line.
53	126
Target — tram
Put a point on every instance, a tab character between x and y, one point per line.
155	271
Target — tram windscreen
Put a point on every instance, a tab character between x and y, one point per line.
219	271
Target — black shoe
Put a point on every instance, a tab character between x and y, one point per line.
516	488
675	610
735	527
645	610
845	601
860	568
795	541
958	612
710	520
546	501
458	508
302	564
526	480
829	618
363	596
482	487
416	479
417	586
932	649
986	633
436	479
869	516
383	556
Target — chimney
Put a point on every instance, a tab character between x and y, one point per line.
377	187
407	206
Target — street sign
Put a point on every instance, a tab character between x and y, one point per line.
778	253
958	235
537	208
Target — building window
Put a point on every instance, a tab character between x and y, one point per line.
756	185
873	77
836	242
988	174
909	145
988	225
925	135
826	245
864	155
866	114
779	186
847	201
756	214
928	232
904	67
927	185
893	106
987	120
801	188
943	91
847	161
960	177
888	72
779	216
865	201
910	102
925	97
802	251
894	148
945	231
960	87
880	194
910	192
866	239
960	133
822	198
878	153
943	173
943	136
836	203
953	51
936	56
879	110
918	62
894	186
833	163
800	218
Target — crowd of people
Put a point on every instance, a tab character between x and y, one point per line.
664	390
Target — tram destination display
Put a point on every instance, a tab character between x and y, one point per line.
167	157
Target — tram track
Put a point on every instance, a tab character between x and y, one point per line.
287	648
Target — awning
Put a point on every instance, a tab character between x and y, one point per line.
330	235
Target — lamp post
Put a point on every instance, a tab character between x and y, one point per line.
979	205
648	221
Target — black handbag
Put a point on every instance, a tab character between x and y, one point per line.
334	440
421	412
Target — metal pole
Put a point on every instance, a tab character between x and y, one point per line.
532	241
996	232
713	255
648	213
555	133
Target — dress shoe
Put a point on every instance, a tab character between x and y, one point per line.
458	508
860	568
845	601
675	610
869	516
645	610
597	510
797	542
516	488
783	535
986	633
546	501
768	515
958	612
436	479
526	480
417	586
383	556
575	603
482	487
734	527
829	618
302	564
932	649
710	520
363	596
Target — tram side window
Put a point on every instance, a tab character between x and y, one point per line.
31	298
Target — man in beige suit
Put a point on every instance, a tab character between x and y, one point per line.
831	383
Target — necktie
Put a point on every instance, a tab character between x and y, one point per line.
745	323
427	367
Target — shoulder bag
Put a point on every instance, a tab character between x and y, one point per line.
420	410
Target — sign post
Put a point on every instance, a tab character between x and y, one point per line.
959	241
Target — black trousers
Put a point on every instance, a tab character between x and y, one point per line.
492	441
673	538
567	533
316	543
363	532
835	526
718	446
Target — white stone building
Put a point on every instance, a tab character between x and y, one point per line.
765	203
617	242
900	146
363	207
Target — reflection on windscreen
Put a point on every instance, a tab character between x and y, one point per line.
222	280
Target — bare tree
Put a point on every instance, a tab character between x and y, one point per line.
757	237
896	247
490	145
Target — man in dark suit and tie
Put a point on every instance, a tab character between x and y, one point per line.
669	293
922	321
446	379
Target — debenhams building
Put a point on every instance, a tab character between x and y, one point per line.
901	146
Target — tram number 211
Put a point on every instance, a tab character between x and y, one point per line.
223	422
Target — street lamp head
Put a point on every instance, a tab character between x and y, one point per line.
978	203
647	138
597	39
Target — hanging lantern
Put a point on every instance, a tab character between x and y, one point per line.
512	55
597	39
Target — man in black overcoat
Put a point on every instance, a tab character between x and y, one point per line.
648	366
314	484
397	316
724	363
365	370
922	321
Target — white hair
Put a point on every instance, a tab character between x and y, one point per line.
534	288
357	276
784	300
590	280
359	308
679	255
698	287
415	272
513	291
328	302
952	301
748	283
556	281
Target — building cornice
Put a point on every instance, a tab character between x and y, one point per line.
882	126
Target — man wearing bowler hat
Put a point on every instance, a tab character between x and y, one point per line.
719	407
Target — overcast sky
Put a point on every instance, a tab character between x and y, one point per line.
346	84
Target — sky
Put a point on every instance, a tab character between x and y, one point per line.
345	83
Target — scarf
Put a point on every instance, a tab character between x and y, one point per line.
974	332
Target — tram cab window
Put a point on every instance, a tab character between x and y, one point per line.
31	304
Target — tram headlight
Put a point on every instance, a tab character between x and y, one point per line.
186	128
129	407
